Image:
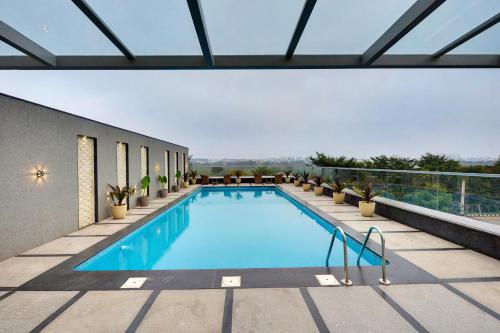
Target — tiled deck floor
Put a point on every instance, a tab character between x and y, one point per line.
466	300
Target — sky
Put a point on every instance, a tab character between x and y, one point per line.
270	113
277	113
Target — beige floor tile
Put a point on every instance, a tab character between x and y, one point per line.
24	310
186	311
66	245
99	229
16	271
127	220
357	309
101	311
356	217
141	211
271	310
413	240
338	209
454	264
440	310
486	293
363	226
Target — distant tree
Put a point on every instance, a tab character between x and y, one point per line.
217	171
265	171
433	162
393	162
323	160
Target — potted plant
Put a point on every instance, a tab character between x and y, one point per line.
296	179
366	205
304	177
238	173
193	175
185	183
163	182
257	176
117	195
338	187
144	198
287	172
178	176
318	180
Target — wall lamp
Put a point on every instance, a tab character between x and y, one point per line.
40	173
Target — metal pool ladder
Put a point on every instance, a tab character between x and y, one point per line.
345	281
382	280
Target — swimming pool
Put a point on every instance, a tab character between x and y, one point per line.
224	228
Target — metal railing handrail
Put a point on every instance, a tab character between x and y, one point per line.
443	173
382	280
345	280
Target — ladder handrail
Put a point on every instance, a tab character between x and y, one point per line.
345	280
383	280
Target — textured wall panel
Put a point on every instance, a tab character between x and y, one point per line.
121	164
144	161
86	181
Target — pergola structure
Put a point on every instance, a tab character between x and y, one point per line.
38	57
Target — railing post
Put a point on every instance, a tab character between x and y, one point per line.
462	198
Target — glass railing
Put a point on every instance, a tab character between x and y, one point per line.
475	195
467	194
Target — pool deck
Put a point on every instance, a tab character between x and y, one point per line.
464	295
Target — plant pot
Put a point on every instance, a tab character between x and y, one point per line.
318	190
238	180
296	183
306	187
338	198
163	193
144	201
287	180
185	184
175	188
193	181
119	212
367	209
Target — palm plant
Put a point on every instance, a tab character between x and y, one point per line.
366	193
304	176
338	186
287	172
238	173
193	174
117	194
178	175
185	177
317	180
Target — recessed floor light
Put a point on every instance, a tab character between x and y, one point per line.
231	281
133	283
327	280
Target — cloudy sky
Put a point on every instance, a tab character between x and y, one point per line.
272	113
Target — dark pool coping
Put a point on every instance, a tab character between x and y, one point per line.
64	277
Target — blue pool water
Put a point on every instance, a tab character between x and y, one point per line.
217	228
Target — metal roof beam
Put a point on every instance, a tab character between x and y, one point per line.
409	20
201	30
469	35
22	43
101	25
299	28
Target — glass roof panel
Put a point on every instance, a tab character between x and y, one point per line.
57	25
487	42
251	27
150	27
349	27
8	50
450	21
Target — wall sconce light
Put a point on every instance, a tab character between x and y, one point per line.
40	173
157	168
